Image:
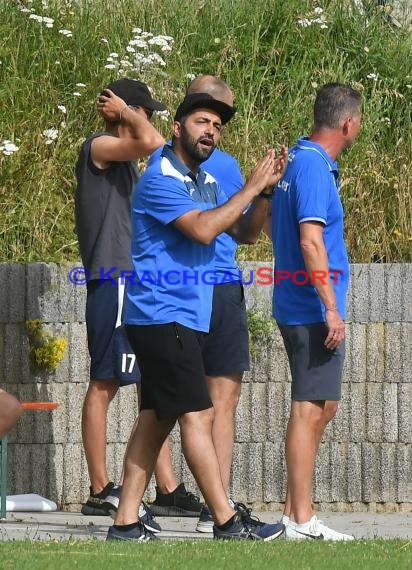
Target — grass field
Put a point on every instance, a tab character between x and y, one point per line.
56	55
208	555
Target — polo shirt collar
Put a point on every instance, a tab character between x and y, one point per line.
306	143
177	163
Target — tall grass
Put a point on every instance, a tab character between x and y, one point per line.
274	65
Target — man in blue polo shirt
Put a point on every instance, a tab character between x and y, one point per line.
176	219
311	281
226	347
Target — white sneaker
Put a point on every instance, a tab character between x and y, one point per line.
284	520
313	529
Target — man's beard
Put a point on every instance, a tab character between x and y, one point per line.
191	148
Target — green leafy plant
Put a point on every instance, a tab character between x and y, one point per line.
46	351
260	327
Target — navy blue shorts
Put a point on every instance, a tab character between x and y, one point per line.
112	357
226	347
316	371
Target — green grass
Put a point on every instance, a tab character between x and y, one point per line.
274	66
208	555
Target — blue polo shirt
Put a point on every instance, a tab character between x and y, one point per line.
307	192
225	169
169	285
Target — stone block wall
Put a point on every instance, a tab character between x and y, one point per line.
365	460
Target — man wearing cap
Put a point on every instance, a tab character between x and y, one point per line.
226	347
106	173
176	216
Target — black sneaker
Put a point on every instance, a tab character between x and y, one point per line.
243	530
179	503
205	522
111	502
139	533
94	504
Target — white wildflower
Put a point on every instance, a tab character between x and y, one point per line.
130	49
304	22
77	94
373	76
164	115
216	40
110	66
190	76
62	108
166	48
318	10
113	54
66	33
80	84
408	86
137	30
7	148
57	62
50	135
63	124
48	20
366	49
138	43
104	40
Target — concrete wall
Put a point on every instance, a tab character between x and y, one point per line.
365	461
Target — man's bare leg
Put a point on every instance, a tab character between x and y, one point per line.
94	423
318	415
224	392
143	449
201	457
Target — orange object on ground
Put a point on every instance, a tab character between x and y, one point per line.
39	405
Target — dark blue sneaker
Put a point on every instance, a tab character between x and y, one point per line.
205	522
147	518
249	530
111	504
139	533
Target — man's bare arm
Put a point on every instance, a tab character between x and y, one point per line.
248	227
316	262
204	226
139	140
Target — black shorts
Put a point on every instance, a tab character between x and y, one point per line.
111	355
316	371
226	347
173	376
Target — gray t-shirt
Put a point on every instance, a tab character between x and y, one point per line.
103	213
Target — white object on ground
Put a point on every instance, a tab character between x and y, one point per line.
29	502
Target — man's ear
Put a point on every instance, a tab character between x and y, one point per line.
346	126
177	129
